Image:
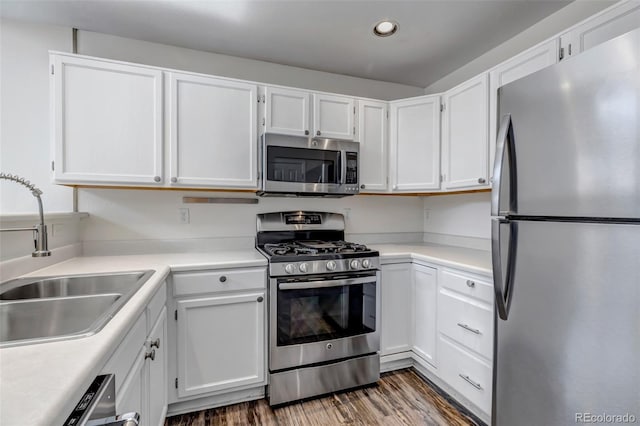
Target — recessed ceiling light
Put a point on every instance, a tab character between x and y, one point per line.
385	28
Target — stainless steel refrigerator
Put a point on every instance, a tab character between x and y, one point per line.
566	241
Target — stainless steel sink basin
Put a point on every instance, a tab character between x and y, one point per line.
34	310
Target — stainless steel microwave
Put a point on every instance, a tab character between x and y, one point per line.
296	165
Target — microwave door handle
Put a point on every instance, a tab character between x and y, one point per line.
304	285
343	167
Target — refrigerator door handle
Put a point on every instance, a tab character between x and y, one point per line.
504	143
503	285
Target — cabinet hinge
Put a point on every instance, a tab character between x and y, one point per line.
387	113
263	121
52	72
53	166
441	178
262	99
175	315
176	383
354	110
569	47
354	130
561	54
442	107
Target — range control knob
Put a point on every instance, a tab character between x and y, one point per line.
366	263
303	267
290	268
331	265
354	264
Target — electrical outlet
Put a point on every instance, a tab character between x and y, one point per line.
183	216
57	229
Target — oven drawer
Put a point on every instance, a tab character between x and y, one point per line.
469	323
222	280
466	373
468	285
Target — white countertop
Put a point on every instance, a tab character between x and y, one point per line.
471	260
41	383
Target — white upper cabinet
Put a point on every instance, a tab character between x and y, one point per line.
415	144
465	134
526	63
372	135
213	139
610	23
107	122
333	116
286	111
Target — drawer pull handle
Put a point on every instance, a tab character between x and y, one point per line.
471	382
471	283
151	355
466	327
155	343
223	279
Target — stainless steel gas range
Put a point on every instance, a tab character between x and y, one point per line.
324	306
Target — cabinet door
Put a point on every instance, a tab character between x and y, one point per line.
107	120
465	134
415	144
157	394
286	111
610	23
213	132
220	343
333	116
520	66
425	303
396	308
373	145
132	396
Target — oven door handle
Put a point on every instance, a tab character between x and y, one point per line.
302	285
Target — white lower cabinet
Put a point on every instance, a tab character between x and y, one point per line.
425	310
220	319
443	319
140	365
396	306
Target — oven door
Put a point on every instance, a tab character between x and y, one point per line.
309	166
323	318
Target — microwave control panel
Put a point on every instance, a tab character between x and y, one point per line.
352	168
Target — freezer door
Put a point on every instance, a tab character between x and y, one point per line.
571	342
576	135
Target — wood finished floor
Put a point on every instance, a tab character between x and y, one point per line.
400	398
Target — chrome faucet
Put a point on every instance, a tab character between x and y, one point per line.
40	230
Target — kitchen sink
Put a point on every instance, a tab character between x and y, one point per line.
35	310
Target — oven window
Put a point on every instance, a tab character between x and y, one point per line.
302	165
312	315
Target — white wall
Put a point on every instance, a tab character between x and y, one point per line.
128	215
126	49
24	115
542	30
464	215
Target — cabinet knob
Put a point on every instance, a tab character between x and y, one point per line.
482	180
362	186
155	343
157	178
174	179
306	132
318	133
260	299
471	283
223	279
151	355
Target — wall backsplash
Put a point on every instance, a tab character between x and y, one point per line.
134	215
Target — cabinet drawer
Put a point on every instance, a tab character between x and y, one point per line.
219	281
469	323
155	306
466	374
124	357
468	285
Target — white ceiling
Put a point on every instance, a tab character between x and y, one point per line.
434	39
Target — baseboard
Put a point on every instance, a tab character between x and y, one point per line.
215	401
396	361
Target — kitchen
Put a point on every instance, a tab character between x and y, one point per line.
435	258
